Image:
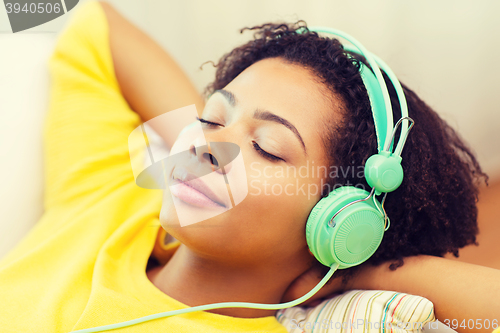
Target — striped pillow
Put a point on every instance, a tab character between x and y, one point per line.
361	311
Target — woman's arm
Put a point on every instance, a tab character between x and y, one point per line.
462	293
458	290
150	80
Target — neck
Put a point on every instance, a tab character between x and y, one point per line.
193	280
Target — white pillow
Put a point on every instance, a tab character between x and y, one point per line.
24	87
361	311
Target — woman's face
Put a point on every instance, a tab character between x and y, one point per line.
276	113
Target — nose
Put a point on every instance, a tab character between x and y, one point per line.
218	154
204	154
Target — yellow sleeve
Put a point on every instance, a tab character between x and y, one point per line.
88	123
497	330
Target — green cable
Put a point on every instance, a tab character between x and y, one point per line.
216	306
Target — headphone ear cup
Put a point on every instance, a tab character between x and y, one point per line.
356	233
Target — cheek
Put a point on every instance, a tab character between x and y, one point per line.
286	184
282	197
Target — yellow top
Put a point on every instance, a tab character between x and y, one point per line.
84	263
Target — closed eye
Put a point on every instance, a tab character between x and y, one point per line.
209	123
255	145
265	154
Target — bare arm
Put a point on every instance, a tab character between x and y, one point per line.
458	290
150	80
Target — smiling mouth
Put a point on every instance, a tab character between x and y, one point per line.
195	193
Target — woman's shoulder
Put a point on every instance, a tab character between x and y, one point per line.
88	121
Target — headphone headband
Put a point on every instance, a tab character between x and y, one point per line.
377	92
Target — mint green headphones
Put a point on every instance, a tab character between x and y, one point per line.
347	226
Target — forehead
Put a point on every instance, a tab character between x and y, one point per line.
291	91
282	86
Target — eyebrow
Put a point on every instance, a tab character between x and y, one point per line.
265	115
228	95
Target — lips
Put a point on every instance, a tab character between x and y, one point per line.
181	175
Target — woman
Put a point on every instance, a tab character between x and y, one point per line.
86	262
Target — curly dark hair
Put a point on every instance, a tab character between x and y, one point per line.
434	210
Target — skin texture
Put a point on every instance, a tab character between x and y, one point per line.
244	247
